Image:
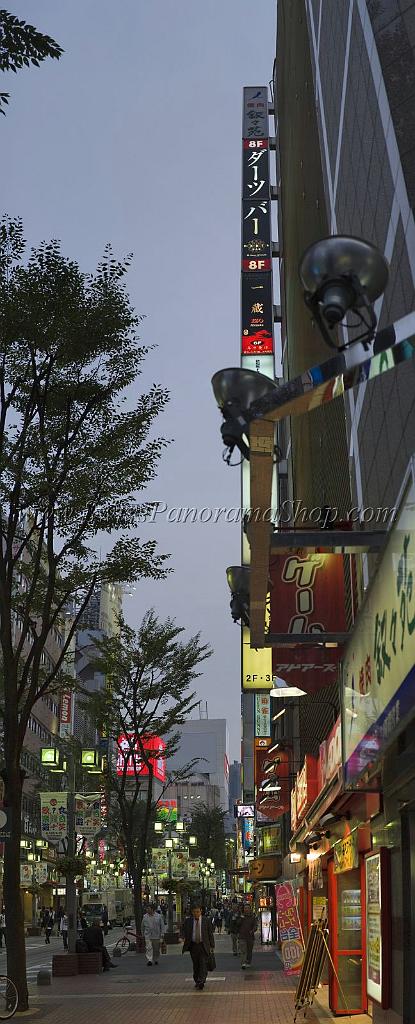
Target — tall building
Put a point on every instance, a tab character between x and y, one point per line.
206	740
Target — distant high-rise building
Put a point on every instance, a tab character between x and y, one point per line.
207	740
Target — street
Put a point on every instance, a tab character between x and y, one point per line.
166	992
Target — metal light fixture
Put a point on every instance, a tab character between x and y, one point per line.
158	826
238	577
208	860
287	691
179	826
50	756
238	582
279	714
168	844
341	275
235	390
192	840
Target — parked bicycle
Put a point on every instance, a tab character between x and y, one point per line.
126	940
8	997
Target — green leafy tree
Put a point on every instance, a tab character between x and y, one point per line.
75	455
21	45
150	671
209	828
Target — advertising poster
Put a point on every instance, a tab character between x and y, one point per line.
26	874
292	949
53	814
160	861
88	814
179	861
374	927
193	870
262	715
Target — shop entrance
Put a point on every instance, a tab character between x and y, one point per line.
347	939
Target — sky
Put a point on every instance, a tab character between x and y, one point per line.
134	137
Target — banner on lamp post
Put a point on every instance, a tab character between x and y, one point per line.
54	815
88	814
160	860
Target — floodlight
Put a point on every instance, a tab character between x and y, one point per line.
235	390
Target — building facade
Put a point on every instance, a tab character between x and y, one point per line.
344	90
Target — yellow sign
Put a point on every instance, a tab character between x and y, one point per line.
346	853
256	665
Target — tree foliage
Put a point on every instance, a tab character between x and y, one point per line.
76	453
21	45
150	671
209	828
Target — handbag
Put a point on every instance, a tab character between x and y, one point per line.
163	946
211	961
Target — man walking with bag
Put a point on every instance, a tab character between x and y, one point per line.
199	942
152	930
246	936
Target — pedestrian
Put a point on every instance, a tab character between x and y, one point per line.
104	919
218	920
199	941
2	929
64	930
235	919
246	936
152	930
94	941
49	922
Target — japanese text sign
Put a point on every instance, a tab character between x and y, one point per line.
378	671
292	949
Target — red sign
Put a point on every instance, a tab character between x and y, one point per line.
307	596
330	755
292	949
129	751
306	786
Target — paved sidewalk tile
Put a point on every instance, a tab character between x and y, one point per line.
137	994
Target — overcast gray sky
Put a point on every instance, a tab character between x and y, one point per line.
134	137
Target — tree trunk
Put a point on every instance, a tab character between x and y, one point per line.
16	952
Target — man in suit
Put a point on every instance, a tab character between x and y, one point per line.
199	942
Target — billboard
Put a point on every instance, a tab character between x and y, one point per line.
130	762
166	810
88	814
307	596
378	692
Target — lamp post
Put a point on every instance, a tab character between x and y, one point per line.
172	842
91	761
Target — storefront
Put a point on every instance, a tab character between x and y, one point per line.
378	714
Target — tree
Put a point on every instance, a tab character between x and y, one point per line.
74	457
209	829
21	45
150	671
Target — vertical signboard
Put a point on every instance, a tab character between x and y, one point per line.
292	950
262	715
257	353
378	930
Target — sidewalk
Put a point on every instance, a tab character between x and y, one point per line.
166	993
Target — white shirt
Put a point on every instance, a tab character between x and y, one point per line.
153	926
197	930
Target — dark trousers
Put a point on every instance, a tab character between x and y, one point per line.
48	933
65	939
199	961
2	935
